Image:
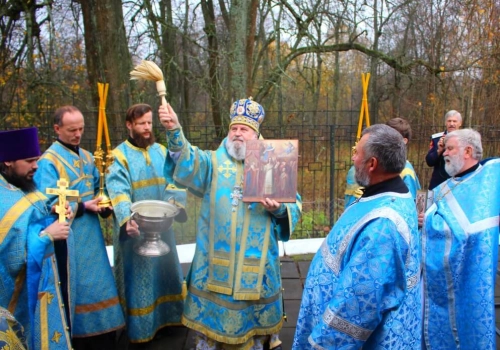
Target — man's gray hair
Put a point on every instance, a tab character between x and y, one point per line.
387	145
468	137
453	113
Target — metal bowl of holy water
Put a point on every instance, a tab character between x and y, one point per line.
153	218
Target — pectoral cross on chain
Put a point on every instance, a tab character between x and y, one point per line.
62	192
236	196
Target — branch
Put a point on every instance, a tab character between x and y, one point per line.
404	68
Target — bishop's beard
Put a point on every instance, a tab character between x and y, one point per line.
237	150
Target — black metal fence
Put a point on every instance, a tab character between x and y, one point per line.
324	159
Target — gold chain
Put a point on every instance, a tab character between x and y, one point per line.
10	187
441	196
45	211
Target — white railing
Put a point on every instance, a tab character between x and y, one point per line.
292	247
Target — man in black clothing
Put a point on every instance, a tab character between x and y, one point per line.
434	158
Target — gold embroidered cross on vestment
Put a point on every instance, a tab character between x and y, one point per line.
227	169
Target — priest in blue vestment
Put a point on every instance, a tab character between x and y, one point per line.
150	288
353	191
363	286
234	297
97	309
460	248
11	332
34	313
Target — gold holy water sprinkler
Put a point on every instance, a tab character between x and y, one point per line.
148	70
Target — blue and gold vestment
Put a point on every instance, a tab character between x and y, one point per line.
29	280
353	190
410	179
460	254
11	332
363	287
150	288
234	285
97	308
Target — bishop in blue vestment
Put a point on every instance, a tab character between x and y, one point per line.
234	286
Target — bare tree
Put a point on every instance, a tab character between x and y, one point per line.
424	56
107	55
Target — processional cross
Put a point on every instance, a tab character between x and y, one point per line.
62	192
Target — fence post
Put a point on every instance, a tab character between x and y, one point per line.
332	170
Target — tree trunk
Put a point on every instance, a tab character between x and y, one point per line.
250	44
168	57
108	58
213	62
373	97
239	35
185	64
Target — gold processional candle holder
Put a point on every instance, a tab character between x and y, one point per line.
102	161
363	112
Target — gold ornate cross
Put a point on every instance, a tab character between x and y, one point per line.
62	192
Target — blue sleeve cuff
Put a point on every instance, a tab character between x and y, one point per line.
281	212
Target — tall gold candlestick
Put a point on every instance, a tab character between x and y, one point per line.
104	119
363	112
106	135
102	162
100	90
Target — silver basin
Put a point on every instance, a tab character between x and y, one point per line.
153	218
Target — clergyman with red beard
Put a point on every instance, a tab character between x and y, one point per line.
150	288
